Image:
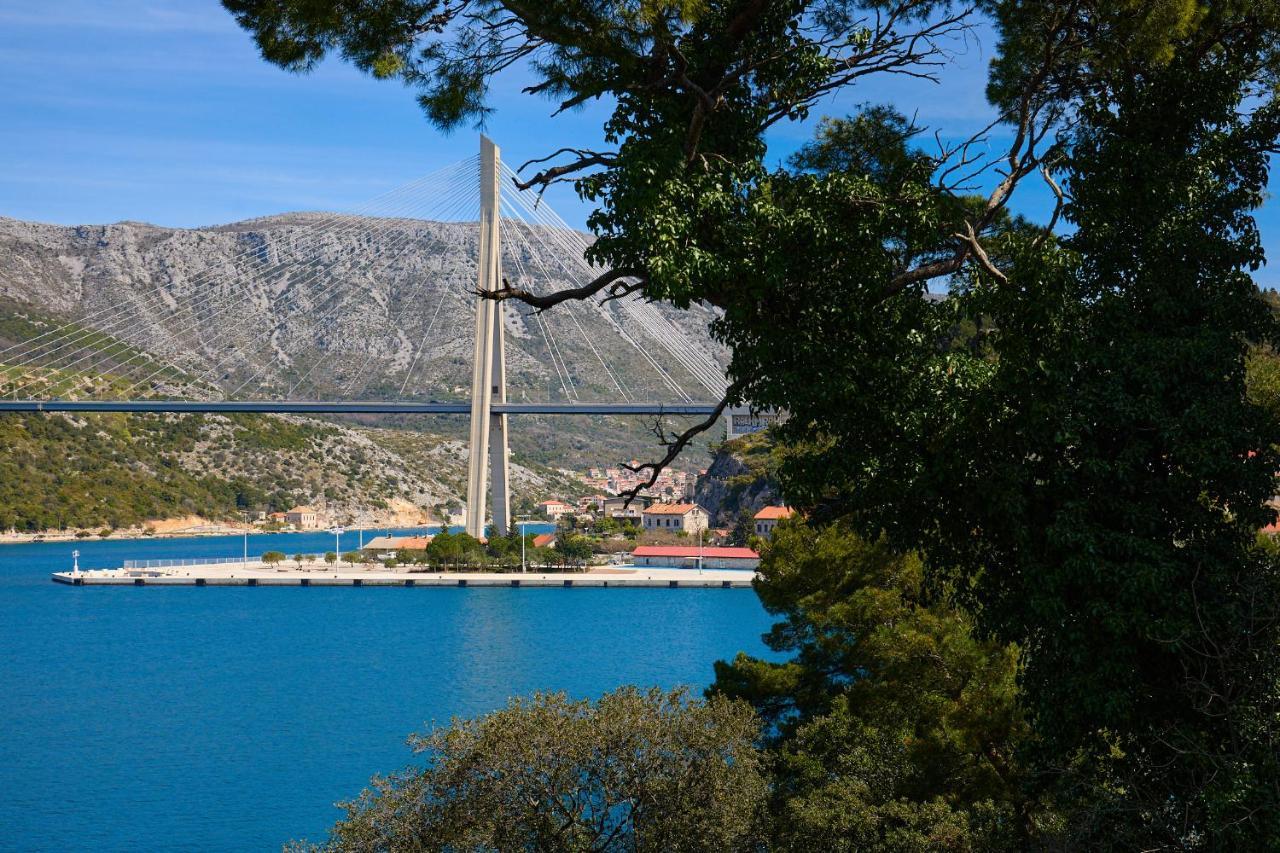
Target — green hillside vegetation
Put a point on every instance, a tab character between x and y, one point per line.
83	362
119	470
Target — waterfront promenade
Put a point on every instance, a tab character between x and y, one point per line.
258	573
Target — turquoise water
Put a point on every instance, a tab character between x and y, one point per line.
233	718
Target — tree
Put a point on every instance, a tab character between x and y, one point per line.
1067	442
330	557
892	724
744	528
353	557
298	559
647	771
695	87
444	550
271	558
573	549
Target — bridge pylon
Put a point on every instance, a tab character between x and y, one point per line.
489	367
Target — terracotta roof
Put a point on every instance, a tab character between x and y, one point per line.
395	543
670	509
775	512
301	509
542	540
693	551
553	503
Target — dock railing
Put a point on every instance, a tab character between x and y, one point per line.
197	561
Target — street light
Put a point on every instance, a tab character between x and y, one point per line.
699	550
245	513
337	532
75	563
521	523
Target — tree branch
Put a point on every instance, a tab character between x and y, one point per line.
611	279
675	445
550	175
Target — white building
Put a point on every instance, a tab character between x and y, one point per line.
619	507
302	517
554	509
768	518
689	518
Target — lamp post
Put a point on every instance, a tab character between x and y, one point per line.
245	557
337	533
75	564
699	550
521	523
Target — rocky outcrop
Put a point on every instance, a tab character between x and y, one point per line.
739	479
316	306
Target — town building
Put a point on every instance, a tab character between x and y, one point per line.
691	556
592	503
619	507
768	518
675	518
302	517
388	546
544	540
554	509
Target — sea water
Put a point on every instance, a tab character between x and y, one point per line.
234	718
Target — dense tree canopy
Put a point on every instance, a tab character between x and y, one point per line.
894	725
1066	445
637	771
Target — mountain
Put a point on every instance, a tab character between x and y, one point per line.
60	471
312	306
303	306
740	479
343	307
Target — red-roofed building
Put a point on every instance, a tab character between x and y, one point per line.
687	557
554	508
768	518
676	517
544	540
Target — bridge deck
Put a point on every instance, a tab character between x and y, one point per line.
346	407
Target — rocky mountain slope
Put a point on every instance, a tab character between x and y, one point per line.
301	306
307	306
352	308
739	479
62	471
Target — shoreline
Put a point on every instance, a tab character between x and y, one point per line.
184	533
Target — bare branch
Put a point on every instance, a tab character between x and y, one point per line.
611	279
676	444
971	238
585	159
1057	207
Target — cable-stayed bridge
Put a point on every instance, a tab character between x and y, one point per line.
300	318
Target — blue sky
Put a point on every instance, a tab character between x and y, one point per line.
162	111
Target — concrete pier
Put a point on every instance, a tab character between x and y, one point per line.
260	574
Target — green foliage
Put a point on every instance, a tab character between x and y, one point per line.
455	551
120	470
572	549
1068	442
891	723
271	558
643	771
330	557
1262	380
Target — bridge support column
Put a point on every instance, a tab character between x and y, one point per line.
488	373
